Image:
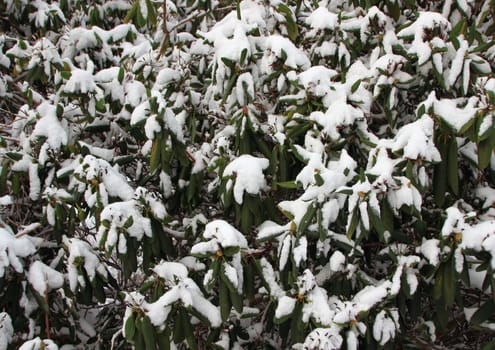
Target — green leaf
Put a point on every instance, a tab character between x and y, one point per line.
466	127
453	170
236	300
130	327
246	217
228	196
139	343
178	329
129	222
485	150
234	296
200	316
459	28
132	12
445	288
376	223
243	57
355	86
225	279
155	240
440	174
16	184
229	63
100	105
139	19
228	90
14	155
421	111
488	346
155	156
60	110
230	251
3	178
393	8
318	179
224	300
297	325
437	288
121	74
147	254
163	339
148	333
306	219
151	13
42	302
292	30
66	74
486	311
288	184
188	330
249	281
354	223
238	9
387	216
98	290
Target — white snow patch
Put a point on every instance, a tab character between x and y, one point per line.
431	250
220	234
6	330
38	344
248	175
416	140
43	278
386	326
285	307
12	249
81	250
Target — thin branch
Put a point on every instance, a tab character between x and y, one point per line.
166	33
8	112
114	338
194	15
13	139
47	319
28	229
175	233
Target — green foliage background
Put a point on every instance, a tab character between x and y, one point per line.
372	219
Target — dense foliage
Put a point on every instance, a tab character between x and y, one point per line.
256	174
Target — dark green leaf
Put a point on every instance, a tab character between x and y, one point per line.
163	339
393	8
178	329
224	299
453	169
355	86
486	311
288	184
148	333
440	175
188	330
354	223
130	327
488	346
485	150
306	219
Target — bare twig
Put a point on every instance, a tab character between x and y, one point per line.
175	233
114	338
28	229
166	33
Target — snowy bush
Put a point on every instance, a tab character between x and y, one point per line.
249	174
